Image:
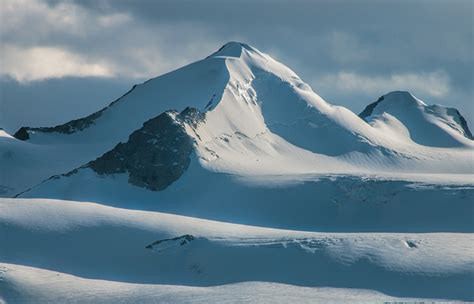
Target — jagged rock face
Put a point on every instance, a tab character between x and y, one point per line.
22	134
370	108
156	155
463	123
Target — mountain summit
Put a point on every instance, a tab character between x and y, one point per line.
234	49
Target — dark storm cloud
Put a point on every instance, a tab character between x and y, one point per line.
349	51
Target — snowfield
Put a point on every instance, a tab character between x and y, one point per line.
231	180
91	242
410	203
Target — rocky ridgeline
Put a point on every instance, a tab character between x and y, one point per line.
70	127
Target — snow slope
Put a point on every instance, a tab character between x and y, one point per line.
24	164
95	242
311	202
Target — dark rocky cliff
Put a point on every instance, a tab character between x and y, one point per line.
157	154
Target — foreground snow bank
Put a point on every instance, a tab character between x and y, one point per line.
27	284
96	242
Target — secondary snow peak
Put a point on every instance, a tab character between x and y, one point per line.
429	125
401	98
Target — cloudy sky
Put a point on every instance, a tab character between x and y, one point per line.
64	59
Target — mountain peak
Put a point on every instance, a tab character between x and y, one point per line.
233	49
403	96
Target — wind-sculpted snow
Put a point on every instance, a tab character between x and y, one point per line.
97	242
301	123
53	287
312	202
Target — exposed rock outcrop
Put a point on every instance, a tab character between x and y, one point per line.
22	134
157	154
463	123
370	108
161	245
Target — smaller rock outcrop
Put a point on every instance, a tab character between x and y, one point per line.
161	245
22	134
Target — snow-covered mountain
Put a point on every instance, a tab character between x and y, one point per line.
238	137
257	117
